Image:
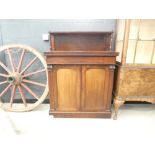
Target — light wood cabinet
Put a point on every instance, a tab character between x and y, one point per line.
135	71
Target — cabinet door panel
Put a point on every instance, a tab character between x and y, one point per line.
95	87
68	88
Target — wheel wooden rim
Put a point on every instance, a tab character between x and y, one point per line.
15	78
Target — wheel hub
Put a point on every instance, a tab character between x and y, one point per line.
15	78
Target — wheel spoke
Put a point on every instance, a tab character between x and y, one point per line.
5	90
35	83
22	95
4	67
32	61
30	91
15	77
3	82
11	60
33	73
21	60
12	95
4	75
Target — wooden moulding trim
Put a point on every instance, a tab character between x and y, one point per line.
80	32
146	97
137	65
116	96
136	98
110	88
52	42
80	63
106	114
80	60
81	53
126	38
80	112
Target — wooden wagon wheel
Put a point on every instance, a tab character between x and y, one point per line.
20	76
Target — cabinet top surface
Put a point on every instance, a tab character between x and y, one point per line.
83	32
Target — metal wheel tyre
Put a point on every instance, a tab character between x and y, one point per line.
23	78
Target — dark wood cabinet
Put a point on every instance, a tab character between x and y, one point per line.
80	74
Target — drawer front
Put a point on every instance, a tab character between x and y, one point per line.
80	60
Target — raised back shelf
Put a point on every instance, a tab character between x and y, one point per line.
81	41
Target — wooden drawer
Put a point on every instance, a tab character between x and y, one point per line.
80	57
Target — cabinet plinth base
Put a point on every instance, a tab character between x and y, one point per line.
80	114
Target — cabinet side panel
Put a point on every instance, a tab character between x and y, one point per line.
50	83
68	89
95	89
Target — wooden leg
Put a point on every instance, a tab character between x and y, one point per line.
117	105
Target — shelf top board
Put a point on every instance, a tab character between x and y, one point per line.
82	53
81	41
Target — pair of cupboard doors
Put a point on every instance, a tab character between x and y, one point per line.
80	90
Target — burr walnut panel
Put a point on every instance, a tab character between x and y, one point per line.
136	81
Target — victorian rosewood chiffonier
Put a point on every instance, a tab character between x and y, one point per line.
135	71
81	68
